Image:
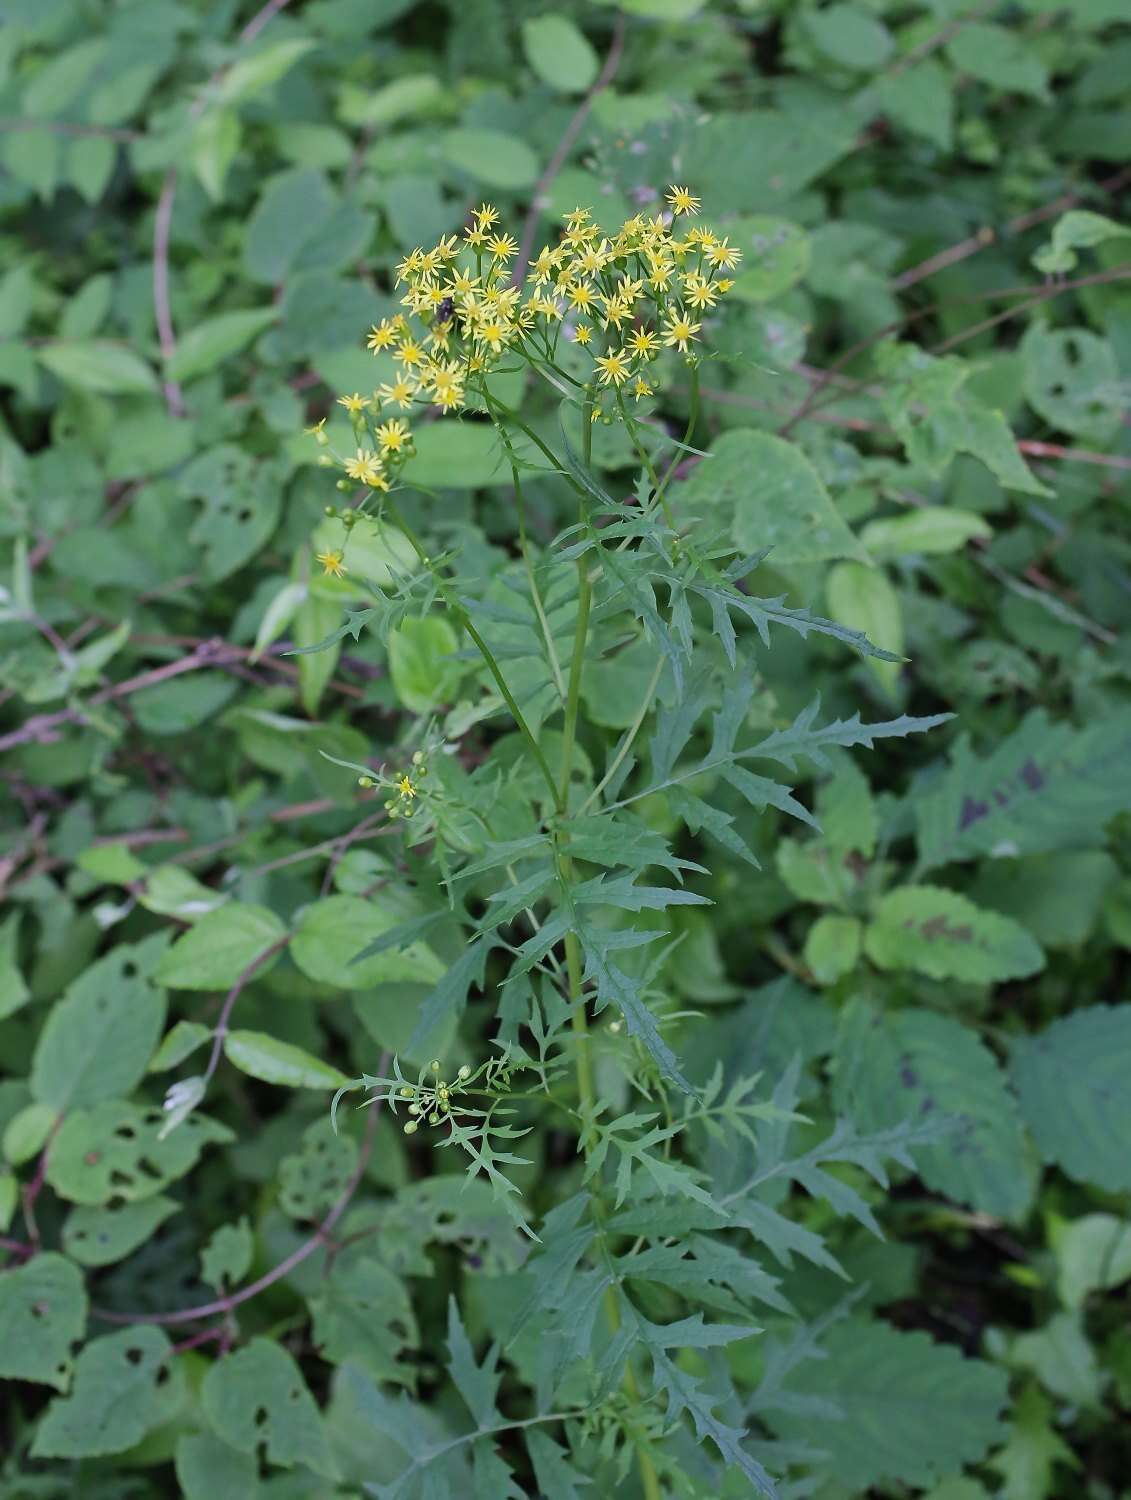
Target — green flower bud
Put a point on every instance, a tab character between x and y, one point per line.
366	781
465	1071
434	1065
411	1127
407	1092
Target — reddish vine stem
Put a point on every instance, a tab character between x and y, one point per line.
221	1029
569	135
288	1263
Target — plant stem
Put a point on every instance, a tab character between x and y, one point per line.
484	650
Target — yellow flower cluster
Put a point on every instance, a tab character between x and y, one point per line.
623	297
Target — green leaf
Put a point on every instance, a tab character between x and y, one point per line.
930	530
477	1384
220	948
863	599
13	988
556	1476
183	703
1046	787
1027	1461
314	1177
998	56
848	36
125	1385
116	1151
939	933
171	891
920	99
1079	229
257	1397
775	256
210	1469
100	1236
42	1315
363	1315
910	1411
915	1066
456	456
1071	1080
215	145
490	157
559	53
832	947
1072	380
97	365
333	934
208	344
226	1259
249	76
177	1044
421	663
265	1057
1093	1254
98	1039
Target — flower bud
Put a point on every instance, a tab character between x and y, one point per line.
406	1092
465	1071
366	781
411	1127
434	1065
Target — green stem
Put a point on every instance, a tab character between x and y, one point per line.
484	650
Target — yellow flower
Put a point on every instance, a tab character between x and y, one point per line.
502	246
475	237
447	383
333	564
722	254
409	353
382	335
494	333
580	296
461	284
406	788
582	333
723	284
699	292
365	468
682	200
592	258
318	432
678	330
447	247
400	393
616	311
614	367
643	341
393	435
640	387
486	215
353	403
542	267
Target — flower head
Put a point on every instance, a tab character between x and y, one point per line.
682	200
354	403
333	563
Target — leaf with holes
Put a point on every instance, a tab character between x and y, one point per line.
1072	380
363	1315
42	1316
96	1236
313	1178
98	1039
114	1152
257	1396
125	1385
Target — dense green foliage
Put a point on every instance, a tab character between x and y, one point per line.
600	969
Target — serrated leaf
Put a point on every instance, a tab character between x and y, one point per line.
477	1384
1071	1080
939	933
226	1258
911	1411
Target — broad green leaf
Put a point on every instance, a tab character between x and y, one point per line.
332	932
215	953
13	988
559	52
115	1151
1046	787
98	1039
125	1385
375	552
1072	380
263	1056
27	1132
1027	1460
929	530
171	891
279	614
363	1315
921	100
939	933
775	257
182	703
42	1315
907	1410
916	1065
1093	1253
210	1469
848	36
177	1044
999	56
863	599
257	1397
456	456
101	1236
421	663
210	343
249	76
97	365
215	145
1071	1081
491	157
832	947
